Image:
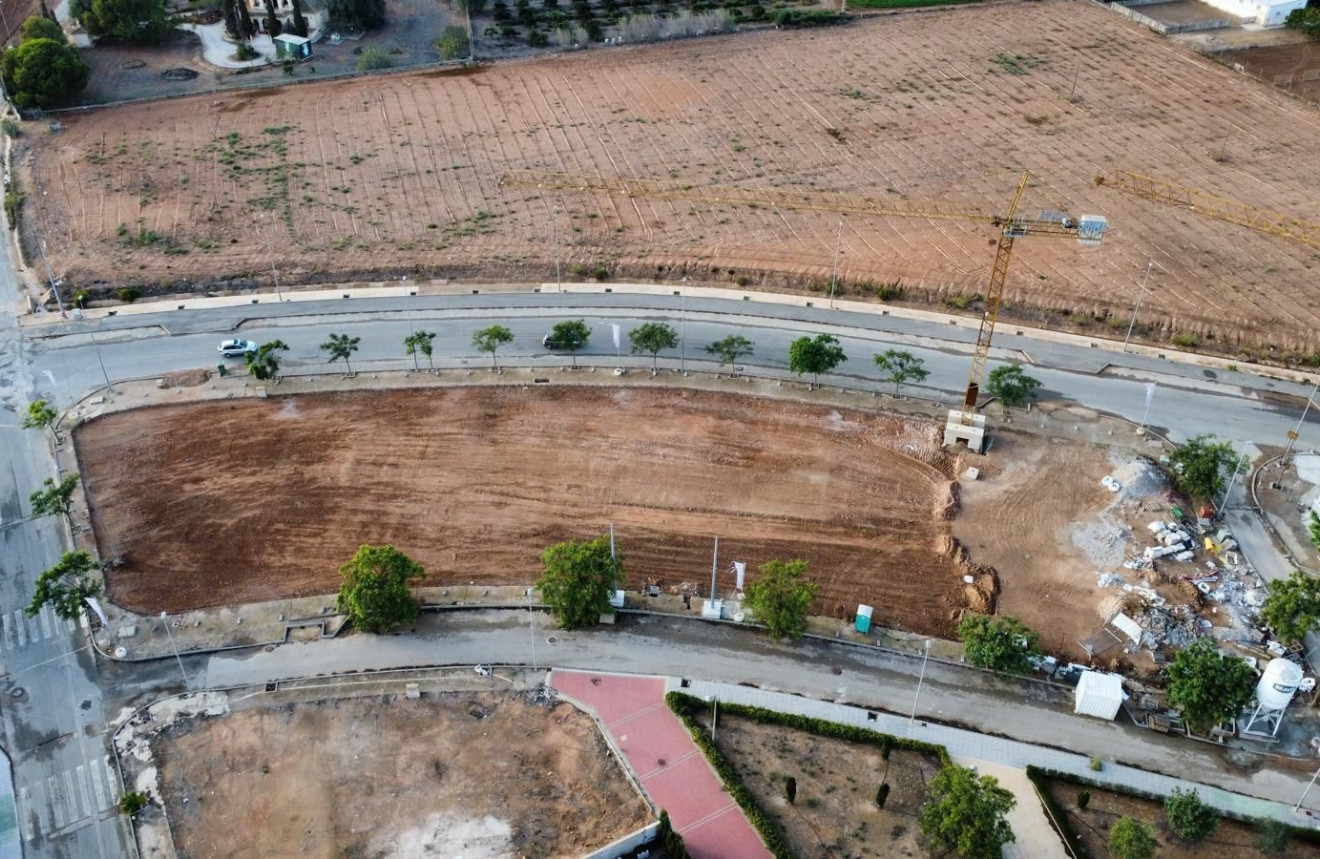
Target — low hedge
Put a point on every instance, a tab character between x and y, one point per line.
1057	814
1038	777
686	706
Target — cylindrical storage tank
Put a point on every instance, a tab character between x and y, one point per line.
1278	683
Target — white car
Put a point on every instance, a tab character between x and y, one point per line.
237	348
483	670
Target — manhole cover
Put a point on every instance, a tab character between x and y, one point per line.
270	648
550	640
178	74
132	64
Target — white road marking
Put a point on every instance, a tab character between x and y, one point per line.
9	632
82	787
22	628
35	632
45	622
25	815
92	773
75	813
56	807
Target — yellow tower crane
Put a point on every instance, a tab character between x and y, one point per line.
1211	206
965	423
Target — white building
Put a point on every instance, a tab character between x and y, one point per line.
1264	13
313	11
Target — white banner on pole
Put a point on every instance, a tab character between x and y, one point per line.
616	334
96	607
740	570
1150	393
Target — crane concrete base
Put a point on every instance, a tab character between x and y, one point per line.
955	431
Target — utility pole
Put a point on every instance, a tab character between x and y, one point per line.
1297	430
164	616
1073	92
834	278
682	336
54	287
1223	507
1140	295
531	620
554	225
920	680
270	253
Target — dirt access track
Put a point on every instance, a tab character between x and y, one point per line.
242	501
401	174
475	775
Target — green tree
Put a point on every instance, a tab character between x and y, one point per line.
65	586
1189	817
375	593
341	347
901	367
41	27
1001	643
246	27
43	72
1313	525
729	350
790	790
132	802
299	19
1201	464
571	334
353	16
1272	836
264	364
1131	839
1305	20
419	341
815	355
966	813
1011	386
1208	686
54	499
490	339
781	597
40	415
577	581
653	338
273	25
1292	608
453	42
144	22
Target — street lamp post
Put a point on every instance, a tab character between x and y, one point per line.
97	346
1140	295
714	715
682	332
554	225
531	621
279	296
164	616
1309	785
834	278
1296	431
1223	507
920	679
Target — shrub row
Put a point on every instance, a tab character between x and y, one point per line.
686	706
1040	777
1058	815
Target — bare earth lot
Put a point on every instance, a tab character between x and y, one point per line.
401	174
239	501
1295	68
1232	840
476	775
834	814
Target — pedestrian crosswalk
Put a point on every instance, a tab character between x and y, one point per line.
68	799
17	630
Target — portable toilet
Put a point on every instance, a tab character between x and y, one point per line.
863	623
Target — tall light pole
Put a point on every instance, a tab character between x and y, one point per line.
270	253
682	331
834	278
164	616
1296	431
920	680
1223	507
531	621
714	715
554	225
97	346
1140	295
54	287
1309	785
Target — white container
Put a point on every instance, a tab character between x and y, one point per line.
1099	695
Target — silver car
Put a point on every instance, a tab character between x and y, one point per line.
237	348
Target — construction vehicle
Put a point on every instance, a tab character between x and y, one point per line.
964	424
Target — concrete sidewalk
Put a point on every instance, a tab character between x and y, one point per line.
964	744
666	761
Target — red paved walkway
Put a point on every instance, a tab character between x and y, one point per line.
671	768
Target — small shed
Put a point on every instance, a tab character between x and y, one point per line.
291	47
1099	695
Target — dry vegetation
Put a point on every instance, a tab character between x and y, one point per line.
401	175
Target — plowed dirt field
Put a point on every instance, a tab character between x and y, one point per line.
401	174
236	502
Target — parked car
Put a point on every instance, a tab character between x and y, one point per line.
549	342
237	348
483	670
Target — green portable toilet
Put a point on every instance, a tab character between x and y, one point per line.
863	623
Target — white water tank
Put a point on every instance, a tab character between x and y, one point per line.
1278	683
